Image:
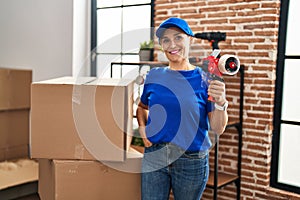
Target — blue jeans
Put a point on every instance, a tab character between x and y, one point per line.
167	167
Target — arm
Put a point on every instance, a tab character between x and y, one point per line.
218	119
142	116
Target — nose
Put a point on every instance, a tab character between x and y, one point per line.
172	43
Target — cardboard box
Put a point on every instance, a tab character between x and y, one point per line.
15	88
18	178
92	180
17	172
86	118
14	134
14	152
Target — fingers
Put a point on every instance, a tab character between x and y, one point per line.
217	90
147	143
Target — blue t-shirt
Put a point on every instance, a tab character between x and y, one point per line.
178	108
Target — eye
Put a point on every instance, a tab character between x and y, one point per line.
165	40
178	38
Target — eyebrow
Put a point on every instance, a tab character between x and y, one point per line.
173	35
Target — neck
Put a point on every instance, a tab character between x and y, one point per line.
181	65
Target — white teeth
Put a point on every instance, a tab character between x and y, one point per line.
174	52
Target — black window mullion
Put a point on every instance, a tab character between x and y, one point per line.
291	57
277	120
124	6
278	92
93	56
290	122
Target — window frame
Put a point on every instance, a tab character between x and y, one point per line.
277	119
94	10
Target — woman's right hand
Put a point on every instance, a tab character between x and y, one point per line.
142	131
147	143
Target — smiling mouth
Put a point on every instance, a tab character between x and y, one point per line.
174	52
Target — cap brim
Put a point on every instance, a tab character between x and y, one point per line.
160	31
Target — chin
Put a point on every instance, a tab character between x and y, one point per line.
174	57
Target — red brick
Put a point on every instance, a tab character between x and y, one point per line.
270	5
265	46
248	40
257	12
206	9
244	6
192	4
213	21
221	14
183	11
245	20
161	2
165	7
223	28
266	33
239	34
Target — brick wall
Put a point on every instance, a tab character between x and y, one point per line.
252	33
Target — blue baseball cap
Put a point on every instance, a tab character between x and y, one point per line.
174	22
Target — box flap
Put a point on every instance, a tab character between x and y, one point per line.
67	80
111	82
87	81
17	172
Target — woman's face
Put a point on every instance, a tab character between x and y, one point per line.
175	43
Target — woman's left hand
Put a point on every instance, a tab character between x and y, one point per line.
217	90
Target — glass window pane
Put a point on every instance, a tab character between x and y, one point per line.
136	27
132	2
108	3
130	71
104	65
291	88
293	30
289	159
130	58
109	30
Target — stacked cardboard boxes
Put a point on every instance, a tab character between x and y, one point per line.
14	113
81	131
16	169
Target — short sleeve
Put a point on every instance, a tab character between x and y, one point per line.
146	90
145	94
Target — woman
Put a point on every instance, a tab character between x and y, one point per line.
174	117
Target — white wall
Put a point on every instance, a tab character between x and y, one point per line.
81	37
38	35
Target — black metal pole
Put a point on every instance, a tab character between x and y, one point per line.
216	170
240	131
